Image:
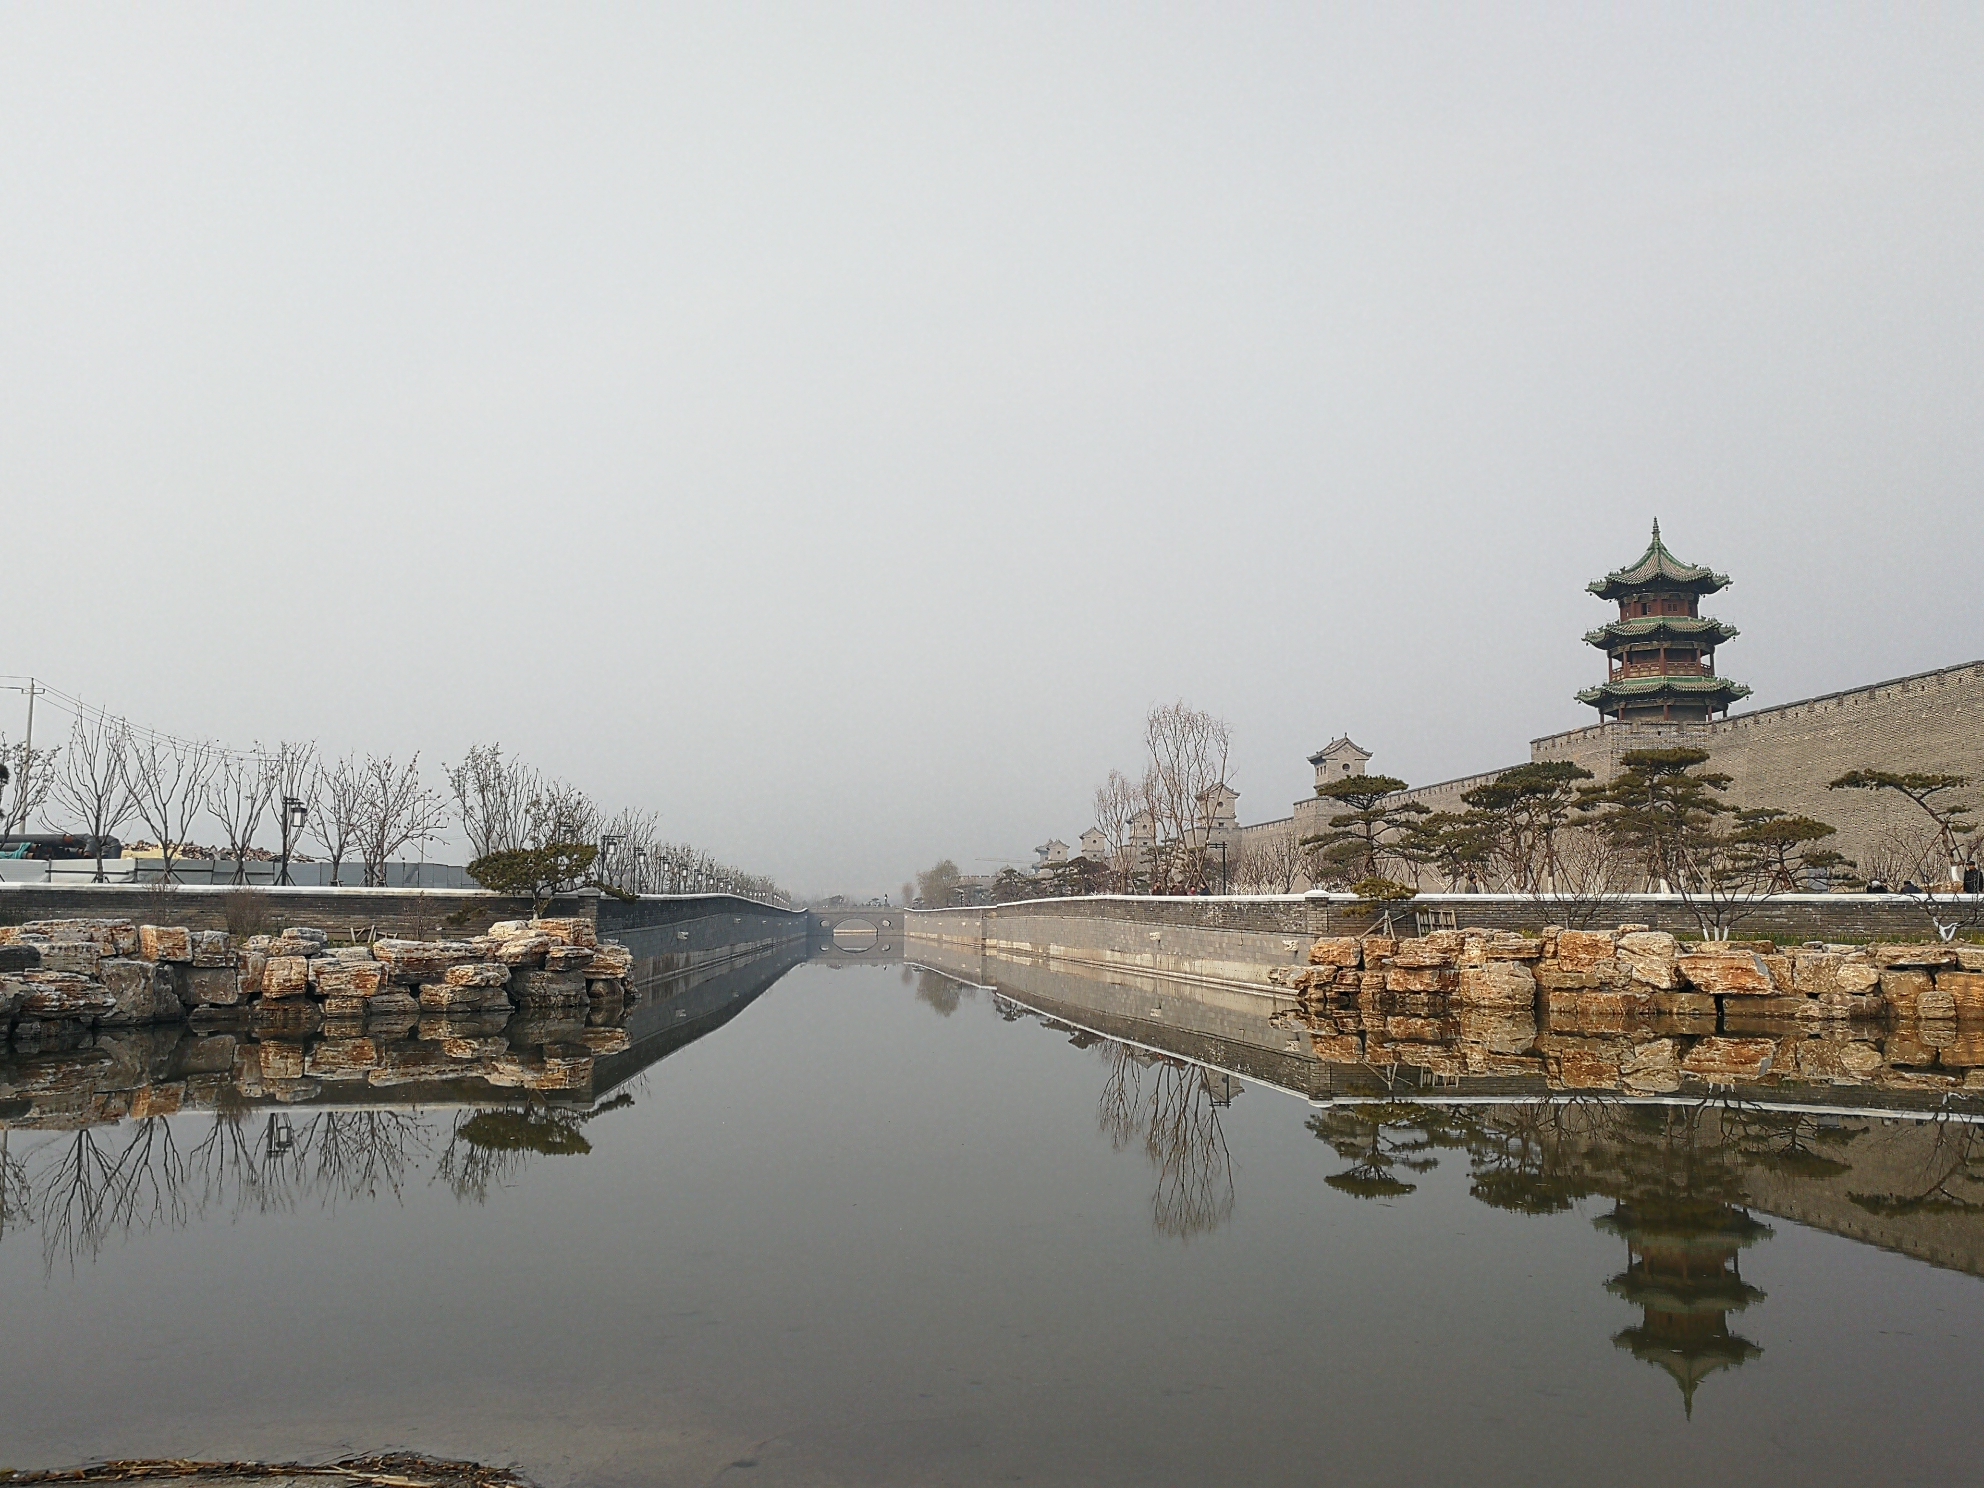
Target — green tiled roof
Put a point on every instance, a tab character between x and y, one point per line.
1718	692
1697	628
1658	569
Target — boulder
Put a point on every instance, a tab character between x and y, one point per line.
611	960
1723	1061
421	960
524	950
444	997
1420	978
142	991
1647	956
1902	991
214	986
1936	1004
547	988
254	966
567	958
285	976
573	931
165	943
392	1002
1337	950
1583	950
1727	973
342	979
1913	957
1499	945
212	948
1966	989
1681	1004
1860	1059
64	995
1501	984
1552	977
1582	1065
78	956
477	974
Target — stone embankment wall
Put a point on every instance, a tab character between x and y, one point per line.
528	1006
408	913
1238	941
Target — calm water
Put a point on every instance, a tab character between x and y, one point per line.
882	1226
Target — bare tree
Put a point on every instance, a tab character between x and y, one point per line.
238	797
32	773
92	785
1117	802
340	803
1270	861
394	810
1188	754
168	782
297	778
491	794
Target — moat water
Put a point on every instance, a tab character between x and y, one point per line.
878	1224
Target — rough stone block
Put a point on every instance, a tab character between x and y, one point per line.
347	979
1337	950
1582	950
1934	1005
392	1002
547	988
524	950
285	976
567	958
1682	1004
78	956
421	960
1647	956
444	997
215	986
477	974
1420	978
573	931
1583	1068
1729	973
254	966
1903	991
1509	984
138	989
165	943
1552	977
212	948
1723	1061
611	960
1966	990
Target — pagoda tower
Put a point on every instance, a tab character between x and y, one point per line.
1661	649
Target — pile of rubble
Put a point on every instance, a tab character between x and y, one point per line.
114	973
1637	972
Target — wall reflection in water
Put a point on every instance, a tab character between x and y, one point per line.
1681	1184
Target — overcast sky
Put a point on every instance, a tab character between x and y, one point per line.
835	426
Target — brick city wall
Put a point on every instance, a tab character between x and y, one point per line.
1784	757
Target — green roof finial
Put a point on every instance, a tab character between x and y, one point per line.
1656	529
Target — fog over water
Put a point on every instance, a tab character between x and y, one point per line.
835	428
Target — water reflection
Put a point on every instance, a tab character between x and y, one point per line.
1171	1109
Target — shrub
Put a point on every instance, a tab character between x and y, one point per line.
536	872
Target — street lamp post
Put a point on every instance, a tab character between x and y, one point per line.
293	814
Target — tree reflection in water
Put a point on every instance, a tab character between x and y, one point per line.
488	1148
1172	1107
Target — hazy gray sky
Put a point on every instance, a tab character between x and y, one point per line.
834	426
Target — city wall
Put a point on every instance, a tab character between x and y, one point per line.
1238	941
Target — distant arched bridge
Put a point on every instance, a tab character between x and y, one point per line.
867	931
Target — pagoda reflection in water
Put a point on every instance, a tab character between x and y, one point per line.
1683	1272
